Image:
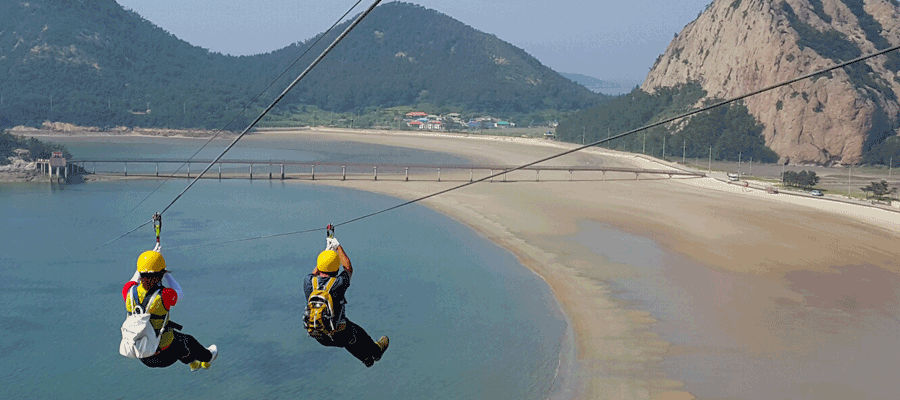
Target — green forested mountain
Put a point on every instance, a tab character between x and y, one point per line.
723	133
91	62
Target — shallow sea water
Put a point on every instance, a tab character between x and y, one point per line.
736	337
465	319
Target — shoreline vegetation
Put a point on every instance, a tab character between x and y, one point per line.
613	349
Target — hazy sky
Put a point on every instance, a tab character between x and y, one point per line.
603	39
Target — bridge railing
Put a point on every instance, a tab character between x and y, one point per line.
272	169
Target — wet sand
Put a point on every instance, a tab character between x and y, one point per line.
750	295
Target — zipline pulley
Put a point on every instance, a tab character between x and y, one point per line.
329	231
157	225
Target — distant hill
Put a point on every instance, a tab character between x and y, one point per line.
612	86
91	62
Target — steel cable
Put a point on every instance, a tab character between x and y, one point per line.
266	111
247	106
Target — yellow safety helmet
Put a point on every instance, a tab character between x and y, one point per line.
328	261
150	261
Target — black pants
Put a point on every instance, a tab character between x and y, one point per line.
355	339
184	348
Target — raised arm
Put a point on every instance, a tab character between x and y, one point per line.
169	282
345	261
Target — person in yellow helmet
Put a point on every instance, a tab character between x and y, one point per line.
346	334
150	279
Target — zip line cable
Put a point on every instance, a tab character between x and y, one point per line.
582	147
247	106
283	93
246	239
269	108
124	234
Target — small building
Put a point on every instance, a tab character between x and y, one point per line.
415	114
415	123
434	125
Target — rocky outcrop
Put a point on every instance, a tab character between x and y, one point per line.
19	170
735	47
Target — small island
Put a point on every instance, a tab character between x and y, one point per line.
19	157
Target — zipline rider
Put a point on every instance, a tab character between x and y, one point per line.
153	289
324	318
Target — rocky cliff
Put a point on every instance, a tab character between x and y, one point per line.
738	46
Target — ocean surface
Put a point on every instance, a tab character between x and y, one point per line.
466	320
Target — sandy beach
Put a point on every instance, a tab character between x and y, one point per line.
783	272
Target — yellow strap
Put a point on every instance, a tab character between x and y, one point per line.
315	284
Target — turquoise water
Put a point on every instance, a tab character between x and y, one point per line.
465	319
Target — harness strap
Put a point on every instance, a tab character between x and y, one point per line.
328	284
148	299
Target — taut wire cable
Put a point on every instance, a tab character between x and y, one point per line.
264	112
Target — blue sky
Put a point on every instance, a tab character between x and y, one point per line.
603	39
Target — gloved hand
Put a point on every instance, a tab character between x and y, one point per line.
331	244
157	249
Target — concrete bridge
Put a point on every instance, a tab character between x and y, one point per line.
311	170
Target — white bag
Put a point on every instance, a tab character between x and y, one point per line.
139	339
